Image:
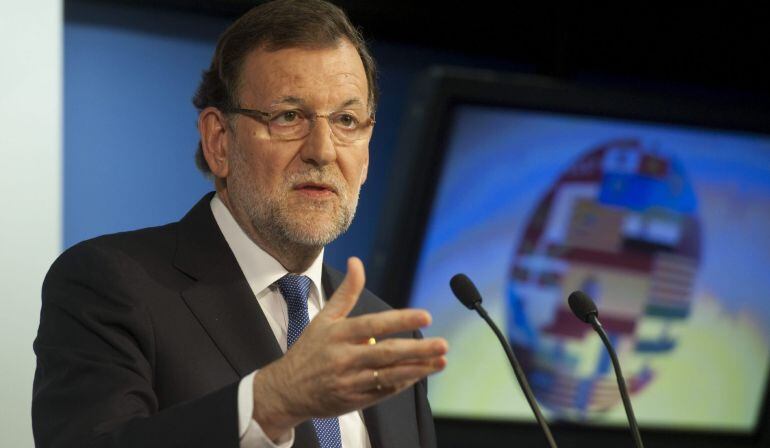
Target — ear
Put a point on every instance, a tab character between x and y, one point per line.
213	128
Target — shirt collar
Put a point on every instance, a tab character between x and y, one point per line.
259	267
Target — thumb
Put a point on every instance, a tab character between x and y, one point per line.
346	296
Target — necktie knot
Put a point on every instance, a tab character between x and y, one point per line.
295	289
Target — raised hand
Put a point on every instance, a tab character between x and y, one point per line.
331	369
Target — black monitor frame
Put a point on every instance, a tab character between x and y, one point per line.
417	167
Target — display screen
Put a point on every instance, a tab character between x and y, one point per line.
666	227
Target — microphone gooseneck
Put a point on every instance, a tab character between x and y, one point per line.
585	309
466	292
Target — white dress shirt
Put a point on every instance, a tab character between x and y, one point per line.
262	271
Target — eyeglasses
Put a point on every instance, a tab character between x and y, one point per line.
295	124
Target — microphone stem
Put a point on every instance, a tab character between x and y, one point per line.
621	381
519	375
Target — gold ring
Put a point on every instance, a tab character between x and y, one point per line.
377	380
372	341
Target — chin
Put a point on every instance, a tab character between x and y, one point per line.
314	238
312	227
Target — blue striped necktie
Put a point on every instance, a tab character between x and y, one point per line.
295	289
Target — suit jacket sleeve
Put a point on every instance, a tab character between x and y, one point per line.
95	361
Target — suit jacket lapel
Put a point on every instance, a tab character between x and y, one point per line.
331	279
221	298
223	302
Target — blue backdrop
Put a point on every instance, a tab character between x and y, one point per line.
129	124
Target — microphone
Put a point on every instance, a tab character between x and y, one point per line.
585	309
466	292
464	289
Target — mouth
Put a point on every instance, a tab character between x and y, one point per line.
315	189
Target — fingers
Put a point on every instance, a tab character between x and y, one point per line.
345	297
407	374
361	328
388	380
400	351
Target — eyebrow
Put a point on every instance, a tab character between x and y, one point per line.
289	100
296	101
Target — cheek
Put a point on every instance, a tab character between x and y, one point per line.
264	163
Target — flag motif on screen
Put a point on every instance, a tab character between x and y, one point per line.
588	394
671	286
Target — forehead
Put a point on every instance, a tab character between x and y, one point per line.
328	74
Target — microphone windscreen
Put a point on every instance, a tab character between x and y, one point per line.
582	306
465	290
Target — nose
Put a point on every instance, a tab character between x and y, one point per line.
318	147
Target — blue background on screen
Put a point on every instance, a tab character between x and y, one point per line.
499	166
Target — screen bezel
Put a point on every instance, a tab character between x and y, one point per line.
419	163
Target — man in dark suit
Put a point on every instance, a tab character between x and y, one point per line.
226	329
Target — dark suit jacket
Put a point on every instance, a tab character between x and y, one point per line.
144	336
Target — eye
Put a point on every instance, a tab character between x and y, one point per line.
287	118
345	120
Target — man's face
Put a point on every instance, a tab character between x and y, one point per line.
301	191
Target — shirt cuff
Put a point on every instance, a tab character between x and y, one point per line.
249	431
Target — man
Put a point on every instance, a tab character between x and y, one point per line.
175	336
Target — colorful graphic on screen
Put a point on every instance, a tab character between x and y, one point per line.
621	225
664	226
